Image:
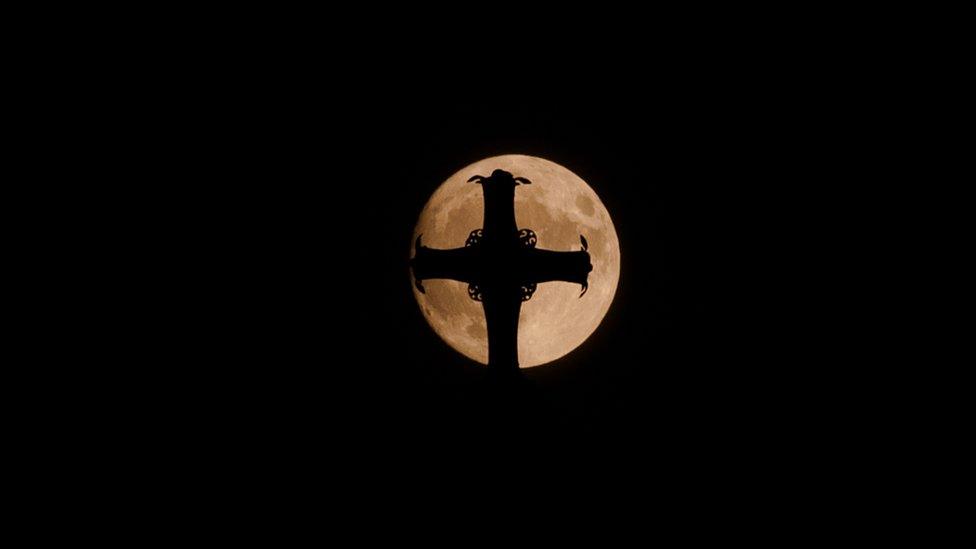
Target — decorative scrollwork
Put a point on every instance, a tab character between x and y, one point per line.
527	291
527	238
474	238
474	292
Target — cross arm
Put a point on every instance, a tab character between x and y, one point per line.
548	266
456	264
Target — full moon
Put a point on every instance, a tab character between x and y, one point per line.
559	206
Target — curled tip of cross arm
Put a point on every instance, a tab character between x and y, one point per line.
585	286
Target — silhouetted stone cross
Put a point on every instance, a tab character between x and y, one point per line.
502	267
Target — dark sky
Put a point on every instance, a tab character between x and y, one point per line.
268	338
310	325
280	176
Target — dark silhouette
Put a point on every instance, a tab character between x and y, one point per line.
502	267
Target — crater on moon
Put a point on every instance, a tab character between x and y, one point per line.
559	206
584	204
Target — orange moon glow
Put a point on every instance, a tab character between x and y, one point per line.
559	207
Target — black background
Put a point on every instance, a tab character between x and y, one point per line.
313	320
263	336
295	328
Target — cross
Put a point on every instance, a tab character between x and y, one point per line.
502	266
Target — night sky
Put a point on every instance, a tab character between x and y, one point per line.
268	341
314	340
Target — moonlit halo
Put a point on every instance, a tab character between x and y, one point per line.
559	207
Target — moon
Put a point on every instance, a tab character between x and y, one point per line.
559	206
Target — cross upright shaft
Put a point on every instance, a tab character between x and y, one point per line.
502	267
499	222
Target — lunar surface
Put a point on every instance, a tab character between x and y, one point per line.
559	207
